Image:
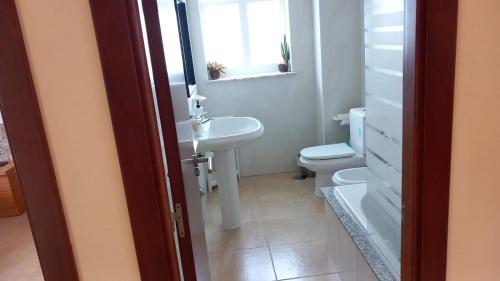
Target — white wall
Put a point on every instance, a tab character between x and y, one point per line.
474	222
285	105
338	36
63	56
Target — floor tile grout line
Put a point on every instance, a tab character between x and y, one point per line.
269	246
297	242
237	250
272	262
309	276
271	256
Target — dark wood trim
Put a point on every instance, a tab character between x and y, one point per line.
124	65
166	113
430	44
28	142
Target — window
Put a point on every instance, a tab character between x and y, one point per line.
244	35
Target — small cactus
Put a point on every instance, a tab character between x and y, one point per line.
285	50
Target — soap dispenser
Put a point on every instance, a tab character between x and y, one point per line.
196	119
195	107
198	109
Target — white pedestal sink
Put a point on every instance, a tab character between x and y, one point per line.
222	136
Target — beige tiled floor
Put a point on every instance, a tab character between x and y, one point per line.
18	257
282	236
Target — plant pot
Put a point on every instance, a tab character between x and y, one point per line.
283	67
214	74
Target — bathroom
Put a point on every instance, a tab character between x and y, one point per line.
341	90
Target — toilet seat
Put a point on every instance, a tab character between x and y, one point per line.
326	152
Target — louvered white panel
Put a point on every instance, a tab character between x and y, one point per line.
389	57
386	189
384	19
385	171
384	37
384	202
384	41
384	84
386	149
385	116
376	7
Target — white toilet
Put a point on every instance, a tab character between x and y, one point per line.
326	160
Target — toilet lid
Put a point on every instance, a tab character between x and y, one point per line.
329	151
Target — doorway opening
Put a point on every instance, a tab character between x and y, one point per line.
382	125
332	117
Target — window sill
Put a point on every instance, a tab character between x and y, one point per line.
252	76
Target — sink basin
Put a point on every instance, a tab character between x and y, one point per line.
225	133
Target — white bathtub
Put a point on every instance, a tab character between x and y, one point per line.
376	218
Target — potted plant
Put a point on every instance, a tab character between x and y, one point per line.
285	54
215	69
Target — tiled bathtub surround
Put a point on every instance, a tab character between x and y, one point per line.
359	236
5	153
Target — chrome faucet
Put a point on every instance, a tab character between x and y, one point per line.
201	118
206	120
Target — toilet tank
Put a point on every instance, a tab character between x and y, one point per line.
357	118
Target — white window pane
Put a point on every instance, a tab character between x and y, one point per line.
266	29
170	35
222	34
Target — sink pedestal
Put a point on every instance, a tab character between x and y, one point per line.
222	135
229	199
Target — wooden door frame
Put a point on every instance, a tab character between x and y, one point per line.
124	65
28	143
428	88
428	113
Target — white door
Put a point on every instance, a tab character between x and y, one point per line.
161	39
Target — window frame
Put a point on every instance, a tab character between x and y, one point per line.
247	68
